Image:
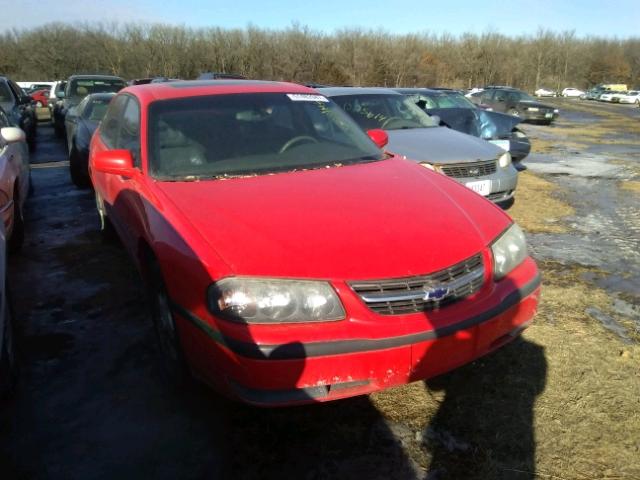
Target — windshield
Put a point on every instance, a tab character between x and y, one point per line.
250	134
80	88
390	112
446	100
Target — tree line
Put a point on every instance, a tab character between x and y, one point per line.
352	56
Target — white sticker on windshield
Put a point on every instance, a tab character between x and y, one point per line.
303	97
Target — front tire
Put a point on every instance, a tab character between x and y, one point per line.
168	338
514	112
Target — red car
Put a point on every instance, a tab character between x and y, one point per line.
290	260
41	97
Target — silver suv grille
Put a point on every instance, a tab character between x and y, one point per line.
421	293
469	169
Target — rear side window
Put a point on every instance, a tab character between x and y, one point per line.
111	124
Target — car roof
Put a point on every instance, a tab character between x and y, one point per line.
196	88
426	91
341	91
91	77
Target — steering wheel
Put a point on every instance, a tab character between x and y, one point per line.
294	140
391	119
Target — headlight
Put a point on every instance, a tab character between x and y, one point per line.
428	165
509	251
555	110
258	300
505	160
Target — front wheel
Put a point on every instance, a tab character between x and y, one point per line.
168	338
514	112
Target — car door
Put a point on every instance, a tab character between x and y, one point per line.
24	110
71	121
120	130
500	101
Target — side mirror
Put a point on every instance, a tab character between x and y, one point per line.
379	137
115	162
12	135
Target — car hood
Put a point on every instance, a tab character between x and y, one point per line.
477	122
440	145
532	103
390	218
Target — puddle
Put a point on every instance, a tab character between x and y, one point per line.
568	163
609	323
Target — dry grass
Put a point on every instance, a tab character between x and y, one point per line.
564	402
538	207
632	186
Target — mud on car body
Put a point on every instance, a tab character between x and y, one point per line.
289	259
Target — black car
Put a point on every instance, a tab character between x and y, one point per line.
457	112
19	108
80	123
517	103
220	76
78	87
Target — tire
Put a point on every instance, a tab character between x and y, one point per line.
39	104
58	129
8	360
168	338
514	112
78	173
507	204
17	234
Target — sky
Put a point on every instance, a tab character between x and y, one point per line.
510	17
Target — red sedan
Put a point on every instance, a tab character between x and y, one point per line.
290	260
41	97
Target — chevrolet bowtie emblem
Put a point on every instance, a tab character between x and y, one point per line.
435	294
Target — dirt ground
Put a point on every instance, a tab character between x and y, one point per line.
562	402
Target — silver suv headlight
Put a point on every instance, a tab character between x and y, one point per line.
509	250
505	160
262	300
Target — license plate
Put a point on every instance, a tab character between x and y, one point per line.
503	144
483	187
548	115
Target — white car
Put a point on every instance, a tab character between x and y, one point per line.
572	92
544	92
632	96
612	97
15	175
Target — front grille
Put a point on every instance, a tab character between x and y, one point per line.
425	292
470	169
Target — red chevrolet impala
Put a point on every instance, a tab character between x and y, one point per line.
289	258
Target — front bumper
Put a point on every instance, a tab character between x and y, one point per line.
300	371
503	183
539	116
